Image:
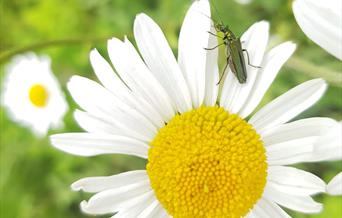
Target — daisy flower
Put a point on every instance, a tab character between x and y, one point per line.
31	93
321	21
205	159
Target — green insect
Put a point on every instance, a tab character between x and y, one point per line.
234	52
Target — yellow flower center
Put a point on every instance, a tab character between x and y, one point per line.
207	163
38	95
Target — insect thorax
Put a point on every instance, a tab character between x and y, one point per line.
228	34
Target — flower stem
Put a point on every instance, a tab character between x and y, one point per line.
9	53
312	70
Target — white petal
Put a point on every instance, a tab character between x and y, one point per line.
297	129
251	214
98	184
288	105
161	213
100	102
137	76
235	94
321	21
90	144
143	206
151	211
88	94
135	206
147	110
267	209
329	145
106	74
161	61
303	204
334	187
270	67
113	83
294	181
113	200
94	124
291	152
211	72
192	56
306	140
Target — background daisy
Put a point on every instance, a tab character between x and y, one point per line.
203	160
32	95
243	2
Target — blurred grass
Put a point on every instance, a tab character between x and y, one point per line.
34	177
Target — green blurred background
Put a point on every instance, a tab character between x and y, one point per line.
35	178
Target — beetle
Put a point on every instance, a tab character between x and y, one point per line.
234	51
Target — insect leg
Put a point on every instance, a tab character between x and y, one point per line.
248	59
224	70
214	34
214	47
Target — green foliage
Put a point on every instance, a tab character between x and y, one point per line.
35	177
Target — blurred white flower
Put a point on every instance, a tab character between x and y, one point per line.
32	94
321	21
334	187
243	2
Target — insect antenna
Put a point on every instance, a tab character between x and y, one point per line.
213	20
217	12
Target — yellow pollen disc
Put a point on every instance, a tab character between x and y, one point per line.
38	95
207	163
